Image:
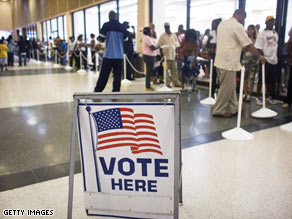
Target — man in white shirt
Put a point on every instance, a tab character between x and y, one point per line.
170	40
231	38
267	44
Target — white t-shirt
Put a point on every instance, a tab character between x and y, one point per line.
231	38
267	41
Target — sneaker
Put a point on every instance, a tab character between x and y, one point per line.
149	89
259	101
286	105
271	101
248	99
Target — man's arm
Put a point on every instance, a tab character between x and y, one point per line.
252	48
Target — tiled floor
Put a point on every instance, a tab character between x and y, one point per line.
36	115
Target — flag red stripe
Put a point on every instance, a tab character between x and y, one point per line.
115	146
143	120
126	110
146	145
148	139
116	133
146	150
129	127
128	121
128	116
143	115
144	127
147	133
117	139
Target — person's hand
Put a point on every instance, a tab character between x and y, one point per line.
262	59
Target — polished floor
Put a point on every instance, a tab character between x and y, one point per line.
221	178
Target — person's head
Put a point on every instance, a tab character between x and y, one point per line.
152	26
9	38
191	35
251	31
207	32
215	23
72	38
80	37
180	28
239	15
167	27
126	25
21	37
270	22
50	38
92	36
147	31
112	16
258	27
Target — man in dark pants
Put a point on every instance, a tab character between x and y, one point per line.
113	33
288	100
129	50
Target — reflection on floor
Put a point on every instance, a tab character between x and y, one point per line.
36	114
222	179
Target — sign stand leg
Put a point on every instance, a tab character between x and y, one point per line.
72	161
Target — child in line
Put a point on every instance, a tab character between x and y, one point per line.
3	56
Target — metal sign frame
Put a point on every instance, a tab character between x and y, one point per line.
162	97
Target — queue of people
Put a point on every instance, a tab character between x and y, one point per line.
227	43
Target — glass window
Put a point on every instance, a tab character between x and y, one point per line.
65	27
49	28
171	11
44	25
257	11
92	21
288	21
105	9
54	28
200	17
60	26
78	21
128	11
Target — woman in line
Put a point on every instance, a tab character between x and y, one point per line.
251	64
189	50
149	55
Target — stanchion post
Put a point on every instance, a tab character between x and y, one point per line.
240	97
96	60
164	70
80	57
264	85
56	58
125	67
211	78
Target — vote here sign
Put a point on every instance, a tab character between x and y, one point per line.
127	156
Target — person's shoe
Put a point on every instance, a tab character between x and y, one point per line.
286	105
224	115
271	101
131	79
149	89
259	101
244	98
248	99
161	81
177	85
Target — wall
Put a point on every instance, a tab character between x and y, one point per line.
6	16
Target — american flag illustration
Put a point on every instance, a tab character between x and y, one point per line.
122	127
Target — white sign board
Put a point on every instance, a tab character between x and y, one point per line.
127	156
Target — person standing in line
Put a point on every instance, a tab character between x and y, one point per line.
267	44
22	50
3	56
114	35
81	46
92	46
153	32
169	39
71	48
231	38
11	49
180	34
251	64
288	100
129	50
149	55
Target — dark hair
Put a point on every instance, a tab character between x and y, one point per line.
191	35
92	35
215	23
79	37
253	27
147	30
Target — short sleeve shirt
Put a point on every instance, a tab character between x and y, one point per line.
114	34
172	43
231	38
147	41
267	41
